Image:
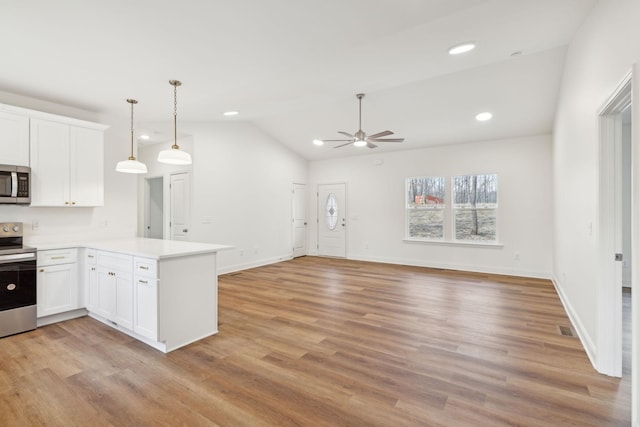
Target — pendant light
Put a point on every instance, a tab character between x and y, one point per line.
174	155
131	165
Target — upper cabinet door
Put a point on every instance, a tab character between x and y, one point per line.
66	165
87	175
49	163
14	139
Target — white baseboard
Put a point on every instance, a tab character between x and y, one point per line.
61	317
253	264
506	271
585	339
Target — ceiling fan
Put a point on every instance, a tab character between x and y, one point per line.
361	139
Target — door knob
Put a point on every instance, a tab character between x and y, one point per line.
184	230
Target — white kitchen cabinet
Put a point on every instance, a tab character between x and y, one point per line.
57	282
145	313
90	280
66	164
14	139
86	167
112	295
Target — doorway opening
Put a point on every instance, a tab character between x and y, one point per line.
614	230
154	208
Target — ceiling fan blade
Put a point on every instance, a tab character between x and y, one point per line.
370	145
346	134
337	140
381	134
343	145
387	139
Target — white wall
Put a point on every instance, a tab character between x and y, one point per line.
118	216
241	192
601	53
598	58
375	204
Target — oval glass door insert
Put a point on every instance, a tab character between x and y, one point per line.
332	211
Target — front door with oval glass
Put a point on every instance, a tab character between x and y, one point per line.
332	220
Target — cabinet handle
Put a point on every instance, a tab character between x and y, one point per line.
66	203
93	269
73	203
143	281
143	267
42	270
58	257
89	256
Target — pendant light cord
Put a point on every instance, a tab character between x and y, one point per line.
132	102
131	157
175	84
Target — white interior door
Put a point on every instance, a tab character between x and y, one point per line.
180	195
332	220
299	219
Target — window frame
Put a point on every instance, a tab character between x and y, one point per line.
495	209
437	207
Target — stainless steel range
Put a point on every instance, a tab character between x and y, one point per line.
17	281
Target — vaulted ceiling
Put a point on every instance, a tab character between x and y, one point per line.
293	67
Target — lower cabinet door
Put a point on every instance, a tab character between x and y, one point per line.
57	289
124	300
106	294
91	281
146	307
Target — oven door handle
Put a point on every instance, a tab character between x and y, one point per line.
27	256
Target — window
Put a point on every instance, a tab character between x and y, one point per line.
475	207
425	206
332	211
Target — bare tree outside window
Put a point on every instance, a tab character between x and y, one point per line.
425	203
475	207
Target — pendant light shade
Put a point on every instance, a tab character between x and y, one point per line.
174	155
131	165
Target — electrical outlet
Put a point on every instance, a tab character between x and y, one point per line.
35	224
516	256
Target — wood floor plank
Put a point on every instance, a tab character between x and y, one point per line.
327	342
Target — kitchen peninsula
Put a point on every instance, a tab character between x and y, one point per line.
161	292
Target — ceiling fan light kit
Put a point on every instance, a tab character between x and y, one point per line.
360	138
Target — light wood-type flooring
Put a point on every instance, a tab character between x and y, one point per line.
325	342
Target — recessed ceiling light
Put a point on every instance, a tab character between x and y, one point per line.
462	48
483	117
144	136
230	113
318	142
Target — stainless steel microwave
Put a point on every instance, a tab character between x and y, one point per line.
15	184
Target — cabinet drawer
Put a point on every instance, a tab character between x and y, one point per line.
57	256
146	267
90	256
115	261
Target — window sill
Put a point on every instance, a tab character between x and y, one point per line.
491	245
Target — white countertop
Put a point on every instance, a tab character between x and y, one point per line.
137	246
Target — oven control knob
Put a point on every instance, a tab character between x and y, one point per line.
5	229
16	228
